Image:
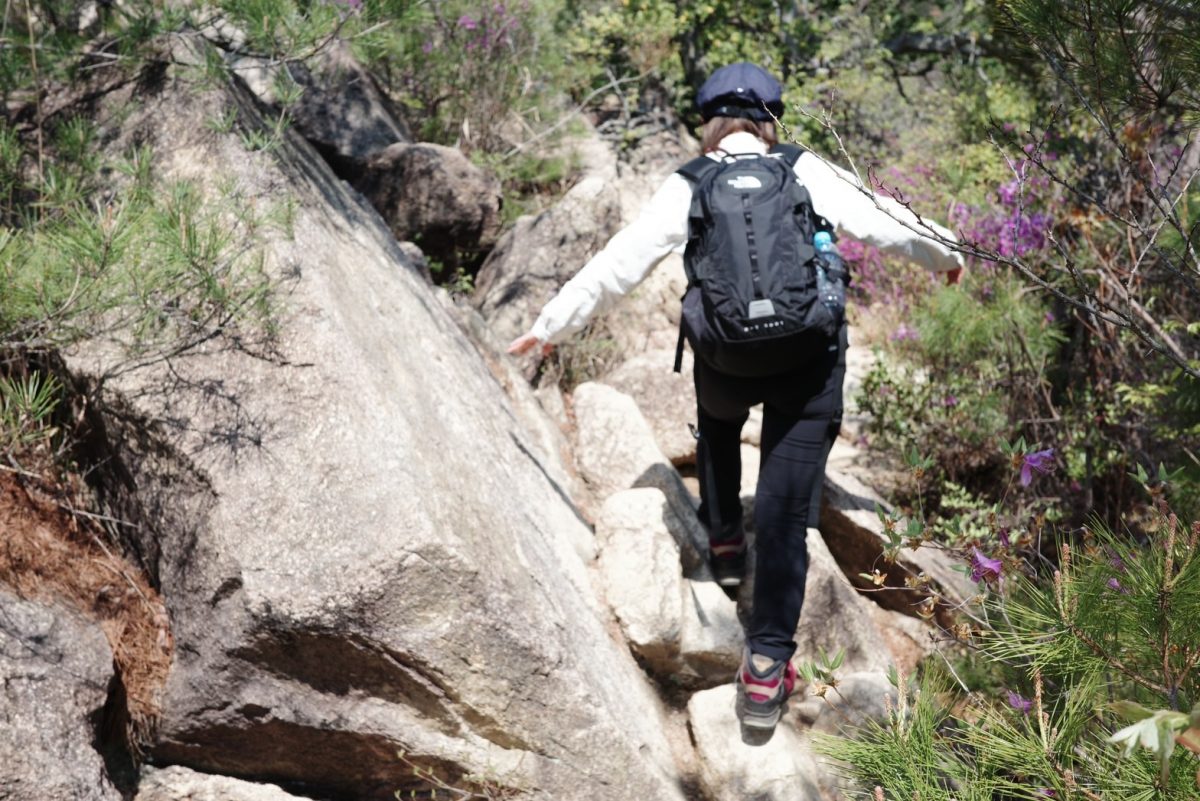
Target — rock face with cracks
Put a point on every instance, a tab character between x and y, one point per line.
384	562
372	538
54	674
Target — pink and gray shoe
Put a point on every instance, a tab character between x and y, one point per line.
763	687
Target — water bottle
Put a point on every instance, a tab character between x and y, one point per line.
831	275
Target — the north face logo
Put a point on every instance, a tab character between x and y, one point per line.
744	182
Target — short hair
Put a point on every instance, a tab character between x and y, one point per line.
717	128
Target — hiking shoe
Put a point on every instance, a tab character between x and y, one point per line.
728	563
763	687
727	556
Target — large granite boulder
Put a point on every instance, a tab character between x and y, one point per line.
55	669
362	548
642	573
340	109
180	784
615	450
784	768
667	399
856	536
434	196
533	260
538	254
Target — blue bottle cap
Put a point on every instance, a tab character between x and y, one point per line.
822	240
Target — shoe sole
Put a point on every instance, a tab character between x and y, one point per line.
730	581
752	719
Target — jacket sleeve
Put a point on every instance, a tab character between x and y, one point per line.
629	256
838	196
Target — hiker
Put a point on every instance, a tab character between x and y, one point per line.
797	378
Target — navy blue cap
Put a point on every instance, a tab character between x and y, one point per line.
741	90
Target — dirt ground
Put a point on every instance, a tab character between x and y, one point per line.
49	552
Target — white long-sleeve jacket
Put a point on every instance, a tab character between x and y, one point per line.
662	226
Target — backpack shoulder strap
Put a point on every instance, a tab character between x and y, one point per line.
789	152
696	169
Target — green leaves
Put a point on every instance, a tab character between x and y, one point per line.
26	405
821	672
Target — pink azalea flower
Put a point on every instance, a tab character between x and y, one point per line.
1019	702
983	568
1041	461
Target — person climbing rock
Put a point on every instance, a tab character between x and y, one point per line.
766	328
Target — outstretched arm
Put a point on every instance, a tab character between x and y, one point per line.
614	271
878	220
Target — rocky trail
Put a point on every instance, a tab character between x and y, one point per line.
384	539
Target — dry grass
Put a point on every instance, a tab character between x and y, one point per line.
47	552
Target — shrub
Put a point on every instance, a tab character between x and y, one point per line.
1083	656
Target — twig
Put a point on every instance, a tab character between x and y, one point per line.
19	471
953	672
613	84
37	95
1087	640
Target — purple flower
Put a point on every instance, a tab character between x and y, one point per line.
1115	586
1116	561
1004	540
468	22
1041	461
983	568
1019	702
904	333
1046	792
1050	317
949	401
1009	193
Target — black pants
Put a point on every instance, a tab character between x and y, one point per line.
802	413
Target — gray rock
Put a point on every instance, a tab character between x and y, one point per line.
434	196
180	784
711	641
615	450
855	534
782	769
341	109
532	261
685	631
752	430
54	673
538	413
908	639
361	547
667	399
858	699
835	617
540	253
647	319
641	573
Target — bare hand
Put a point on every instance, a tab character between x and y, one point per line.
527	342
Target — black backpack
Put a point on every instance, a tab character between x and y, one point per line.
752	308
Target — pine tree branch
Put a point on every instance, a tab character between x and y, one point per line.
1120	666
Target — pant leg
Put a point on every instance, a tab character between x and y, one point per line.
722	410
799	427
